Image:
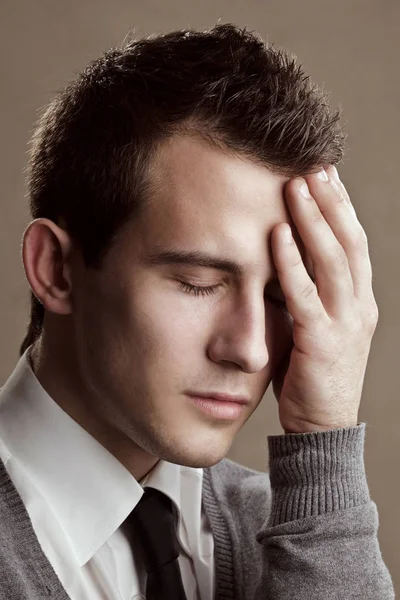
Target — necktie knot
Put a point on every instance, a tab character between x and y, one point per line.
155	529
154	532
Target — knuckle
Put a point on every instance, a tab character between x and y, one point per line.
317	218
298	262
309	290
373	316
359	240
339	260
370	327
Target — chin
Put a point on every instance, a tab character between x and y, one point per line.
202	456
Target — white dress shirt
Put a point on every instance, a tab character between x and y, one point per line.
77	495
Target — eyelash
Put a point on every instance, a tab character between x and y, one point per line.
211	289
197	290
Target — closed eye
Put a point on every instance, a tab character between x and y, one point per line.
211	289
199	290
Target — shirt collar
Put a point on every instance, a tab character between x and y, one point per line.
89	491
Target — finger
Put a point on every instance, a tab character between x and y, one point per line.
347	230
303	251
301	294
332	274
333	173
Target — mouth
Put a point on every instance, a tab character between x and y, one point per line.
219	409
240	399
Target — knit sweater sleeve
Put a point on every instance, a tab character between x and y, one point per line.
320	539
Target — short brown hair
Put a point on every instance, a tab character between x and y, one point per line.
91	152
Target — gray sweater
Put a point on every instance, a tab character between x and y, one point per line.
307	530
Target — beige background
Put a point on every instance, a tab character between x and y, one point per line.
349	46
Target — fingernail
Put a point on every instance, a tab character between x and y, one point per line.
287	235
335	173
303	189
322	175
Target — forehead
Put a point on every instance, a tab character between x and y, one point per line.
205	199
195	174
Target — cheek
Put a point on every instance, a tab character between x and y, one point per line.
171	327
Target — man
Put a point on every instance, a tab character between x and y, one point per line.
163	182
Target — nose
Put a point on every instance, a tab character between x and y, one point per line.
240	337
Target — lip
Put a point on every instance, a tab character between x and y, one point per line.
218	409
220	396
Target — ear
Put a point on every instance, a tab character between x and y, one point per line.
46	250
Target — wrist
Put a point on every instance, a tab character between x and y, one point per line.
316	473
305	427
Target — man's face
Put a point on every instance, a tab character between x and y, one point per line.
143	343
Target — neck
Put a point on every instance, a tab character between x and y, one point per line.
62	381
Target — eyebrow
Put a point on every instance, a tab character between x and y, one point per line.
193	258
196	258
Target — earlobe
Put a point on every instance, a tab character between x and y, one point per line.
46	249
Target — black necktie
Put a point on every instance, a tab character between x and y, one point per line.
155	534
